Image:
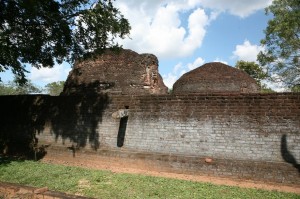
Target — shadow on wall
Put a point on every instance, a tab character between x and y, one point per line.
76	118
286	155
21	118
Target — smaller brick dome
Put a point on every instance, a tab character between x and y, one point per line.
215	77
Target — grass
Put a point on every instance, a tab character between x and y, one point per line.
106	184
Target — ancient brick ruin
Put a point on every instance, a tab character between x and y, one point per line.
215	78
119	72
246	134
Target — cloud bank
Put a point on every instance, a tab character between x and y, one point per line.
241	8
179	69
247	51
176	28
158	28
48	75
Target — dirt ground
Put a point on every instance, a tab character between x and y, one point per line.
147	167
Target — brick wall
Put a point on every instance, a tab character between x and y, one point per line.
256	128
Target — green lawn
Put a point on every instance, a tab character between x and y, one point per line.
106	184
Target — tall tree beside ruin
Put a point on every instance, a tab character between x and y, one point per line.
42	33
252	69
282	42
256	72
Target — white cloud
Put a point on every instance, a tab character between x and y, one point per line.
158	27
170	79
247	51
276	86
182	72
198	62
241	8
220	60
198	20
48	75
179	69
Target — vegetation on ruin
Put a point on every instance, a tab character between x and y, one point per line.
43	33
106	184
282	43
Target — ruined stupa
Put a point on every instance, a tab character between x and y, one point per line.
215	77
121	72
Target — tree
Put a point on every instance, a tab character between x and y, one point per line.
13	88
256	72
55	88
282	42
295	88
252	69
41	33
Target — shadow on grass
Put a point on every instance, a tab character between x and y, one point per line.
5	160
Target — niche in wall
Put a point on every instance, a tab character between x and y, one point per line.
122	130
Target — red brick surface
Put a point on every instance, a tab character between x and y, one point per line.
215	77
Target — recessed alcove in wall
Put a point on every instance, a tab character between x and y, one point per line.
122	130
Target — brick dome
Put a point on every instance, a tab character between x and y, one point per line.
215	77
122	72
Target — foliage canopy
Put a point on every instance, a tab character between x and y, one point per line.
282	42
41	33
13	88
256	72
252	69
55	88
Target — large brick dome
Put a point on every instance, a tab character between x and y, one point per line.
122	72
215	77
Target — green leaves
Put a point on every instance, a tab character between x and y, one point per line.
42	33
282	42
13	88
98	27
256	72
253	69
55	88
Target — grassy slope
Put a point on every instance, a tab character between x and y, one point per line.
105	184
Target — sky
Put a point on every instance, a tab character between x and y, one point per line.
183	34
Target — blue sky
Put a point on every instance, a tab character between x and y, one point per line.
183	34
